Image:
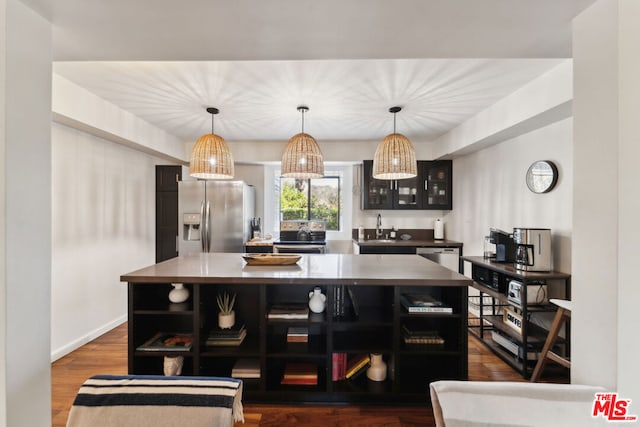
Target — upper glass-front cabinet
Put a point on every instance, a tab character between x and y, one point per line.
431	189
437	179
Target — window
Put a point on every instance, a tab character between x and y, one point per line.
311	199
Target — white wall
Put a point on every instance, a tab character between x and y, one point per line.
25	60
489	190
103	226
607	135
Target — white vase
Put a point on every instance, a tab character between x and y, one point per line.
179	293
378	368
226	321
317	300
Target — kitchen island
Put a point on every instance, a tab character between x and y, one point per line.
364	315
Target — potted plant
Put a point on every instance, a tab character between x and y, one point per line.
226	316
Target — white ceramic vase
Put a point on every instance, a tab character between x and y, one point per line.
179	293
226	320
378	368
317	300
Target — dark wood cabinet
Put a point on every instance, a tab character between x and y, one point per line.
167	178
437	177
495	303
431	189
378	328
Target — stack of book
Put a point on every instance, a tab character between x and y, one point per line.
227	337
300	374
246	369
430	338
168	341
289	312
423	303
298	334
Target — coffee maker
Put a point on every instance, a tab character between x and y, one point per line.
505	246
533	249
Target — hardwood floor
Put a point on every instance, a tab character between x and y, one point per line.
108	355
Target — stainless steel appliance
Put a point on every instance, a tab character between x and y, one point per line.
214	216
447	257
301	237
533	249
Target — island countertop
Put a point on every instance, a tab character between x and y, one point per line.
327	269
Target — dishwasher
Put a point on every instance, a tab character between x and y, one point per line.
447	257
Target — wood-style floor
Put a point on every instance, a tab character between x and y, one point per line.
108	355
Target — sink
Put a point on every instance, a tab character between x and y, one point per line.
380	240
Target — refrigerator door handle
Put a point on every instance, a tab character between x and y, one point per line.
208	231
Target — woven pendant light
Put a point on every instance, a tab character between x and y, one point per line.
395	156
302	157
211	157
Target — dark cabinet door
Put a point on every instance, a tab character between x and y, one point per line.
394	194
437	189
407	193
376	193
167	178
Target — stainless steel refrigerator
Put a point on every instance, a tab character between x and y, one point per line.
214	216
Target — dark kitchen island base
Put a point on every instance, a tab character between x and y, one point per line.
363	315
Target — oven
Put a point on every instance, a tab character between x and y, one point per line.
301	237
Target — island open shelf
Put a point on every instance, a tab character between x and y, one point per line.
364	314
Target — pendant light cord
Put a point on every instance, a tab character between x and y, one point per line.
212	117
394	122
302	111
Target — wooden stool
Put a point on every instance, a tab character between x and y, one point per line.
562	315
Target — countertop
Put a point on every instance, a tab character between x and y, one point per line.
319	269
411	242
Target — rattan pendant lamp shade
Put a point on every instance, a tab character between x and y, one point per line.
211	157
302	157
395	156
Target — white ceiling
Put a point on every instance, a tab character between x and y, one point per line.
348	60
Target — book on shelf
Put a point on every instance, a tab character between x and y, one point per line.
246	368
216	338
297	334
288	311
338	366
357	365
301	373
168	341
428	337
423	303
234	330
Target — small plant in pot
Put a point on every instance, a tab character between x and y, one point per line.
226	316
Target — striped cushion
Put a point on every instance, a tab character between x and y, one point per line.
140	400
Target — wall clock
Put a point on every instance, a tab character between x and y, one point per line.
542	176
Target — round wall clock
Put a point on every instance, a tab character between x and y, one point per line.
542	176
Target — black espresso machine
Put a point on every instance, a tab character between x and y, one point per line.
505	245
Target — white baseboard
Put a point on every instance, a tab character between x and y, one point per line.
63	351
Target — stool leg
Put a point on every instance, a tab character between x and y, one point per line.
558	320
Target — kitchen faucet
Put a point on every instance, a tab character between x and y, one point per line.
379	227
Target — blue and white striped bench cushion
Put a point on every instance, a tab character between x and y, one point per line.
141	400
